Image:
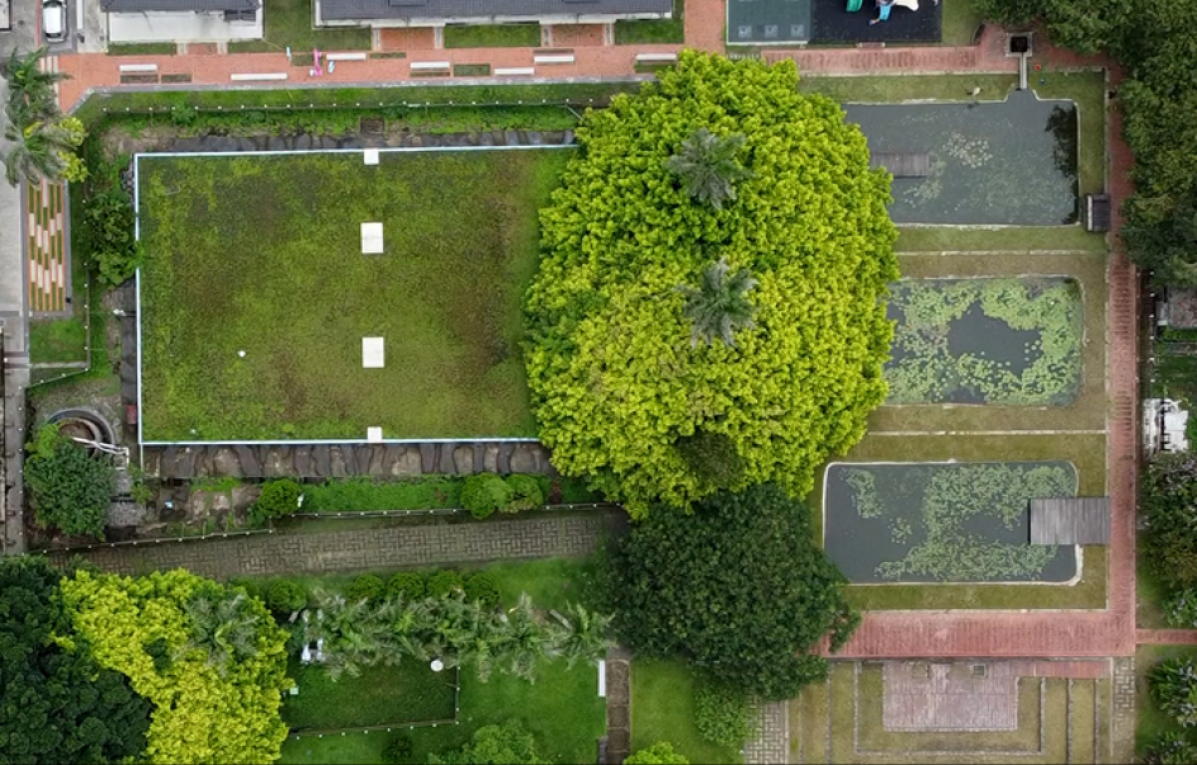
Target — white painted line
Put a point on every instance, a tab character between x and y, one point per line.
648	58
602	669
555	58
374	435
370	156
373	354
127	68
515	71
261	76
371	238
345	56
424	66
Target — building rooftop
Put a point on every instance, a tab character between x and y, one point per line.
364	10
177	6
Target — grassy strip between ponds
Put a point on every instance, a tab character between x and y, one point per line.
492	35
1153	722
810	724
663	710
1086	452
424	493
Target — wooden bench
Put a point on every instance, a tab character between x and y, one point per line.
514	71
360	56
242	77
430	66
656	58
553	58
139	68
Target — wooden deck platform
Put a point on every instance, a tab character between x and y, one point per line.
903	164
1070	521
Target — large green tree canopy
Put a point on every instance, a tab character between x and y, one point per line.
621	395
740	589
56	704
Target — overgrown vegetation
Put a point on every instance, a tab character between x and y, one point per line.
70	488
676	593
615	383
1168	501
43	143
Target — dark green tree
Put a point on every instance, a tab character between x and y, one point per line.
56	704
506	744
720	307
1168	501
738	588
707	167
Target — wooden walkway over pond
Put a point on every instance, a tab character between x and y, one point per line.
903	164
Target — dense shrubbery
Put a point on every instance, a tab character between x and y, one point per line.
485	493
1169	502
484	588
506	744
526	494
58	705
70	488
444	583
409	585
660	753
278	499
286	596
739	588
366	587
1153	40
723	715
210	659
1174	687
617	387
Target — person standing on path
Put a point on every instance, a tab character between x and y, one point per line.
883	9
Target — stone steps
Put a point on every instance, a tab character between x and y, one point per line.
302	461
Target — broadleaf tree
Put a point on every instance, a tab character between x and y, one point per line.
739	589
616	386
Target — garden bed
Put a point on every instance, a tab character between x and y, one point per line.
254	306
949	522
985	341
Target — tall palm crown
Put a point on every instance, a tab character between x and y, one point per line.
30	90
223	627
719	307
707	167
36	152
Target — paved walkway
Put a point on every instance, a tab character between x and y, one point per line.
771	745
432	544
49	272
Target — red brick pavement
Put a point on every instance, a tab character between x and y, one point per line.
578	35
1166	637
883	634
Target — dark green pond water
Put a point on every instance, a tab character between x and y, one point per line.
934	522
1012	162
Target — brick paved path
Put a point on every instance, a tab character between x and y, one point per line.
771	746
1166	637
532	536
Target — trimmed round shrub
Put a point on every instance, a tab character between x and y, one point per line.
723	716
485	493
483	587
398	751
366	587
660	753
526	493
285	596
278	499
409	585
444	583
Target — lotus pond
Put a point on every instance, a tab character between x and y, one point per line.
943	522
985	341
1011	162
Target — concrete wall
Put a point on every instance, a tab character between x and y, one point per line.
180	27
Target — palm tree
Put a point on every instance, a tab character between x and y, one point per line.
708	168
223	627
523	640
353	634
578	635
38	151
720	306
30	90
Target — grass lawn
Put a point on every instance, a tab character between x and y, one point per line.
960	22
562	709
262	255
57	340
492	36
1152	721
142	49
289	22
653	31
405	693
1150	594
663	710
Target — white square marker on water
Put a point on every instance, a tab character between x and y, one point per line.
370	156
371	238
373	355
